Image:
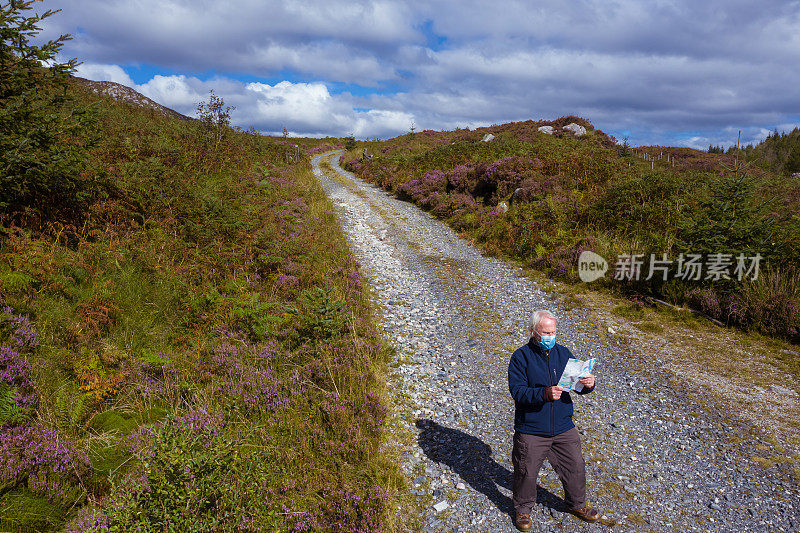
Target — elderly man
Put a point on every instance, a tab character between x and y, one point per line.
543	422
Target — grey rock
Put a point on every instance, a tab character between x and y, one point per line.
577	129
441	506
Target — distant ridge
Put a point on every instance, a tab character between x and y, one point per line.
117	91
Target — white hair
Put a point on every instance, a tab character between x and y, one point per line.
536	319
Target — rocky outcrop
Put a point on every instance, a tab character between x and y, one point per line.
577	129
122	93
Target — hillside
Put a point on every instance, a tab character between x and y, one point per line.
779	153
182	326
540	194
123	93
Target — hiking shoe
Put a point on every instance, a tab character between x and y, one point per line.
523	522
586	513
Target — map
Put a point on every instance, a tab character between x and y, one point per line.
573	372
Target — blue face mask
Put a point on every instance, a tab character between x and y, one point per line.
547	341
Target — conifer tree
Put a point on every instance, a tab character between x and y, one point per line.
42	130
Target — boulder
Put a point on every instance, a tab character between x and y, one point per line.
488	137
577	129
546	129
502	208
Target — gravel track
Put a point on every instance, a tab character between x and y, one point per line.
658	459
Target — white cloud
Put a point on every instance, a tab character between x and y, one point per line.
98	72
309	105
176	92
302	108
381	123
652	68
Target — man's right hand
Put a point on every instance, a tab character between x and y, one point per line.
553	393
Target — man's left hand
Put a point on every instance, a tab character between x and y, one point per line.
588	381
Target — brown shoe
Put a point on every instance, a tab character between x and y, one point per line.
586	513
523	522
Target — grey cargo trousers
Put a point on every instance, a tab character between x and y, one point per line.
564	453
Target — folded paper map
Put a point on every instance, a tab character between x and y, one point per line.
573	372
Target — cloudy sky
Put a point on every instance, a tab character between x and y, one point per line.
671	72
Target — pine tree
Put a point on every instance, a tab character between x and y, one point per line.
42	131
733	217
792	164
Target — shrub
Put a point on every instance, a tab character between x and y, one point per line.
214	119
184	483
771	303
18	396
731	218
254	317
322	314
195	282
588	193
40	459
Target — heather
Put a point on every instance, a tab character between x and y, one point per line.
187	345
544	199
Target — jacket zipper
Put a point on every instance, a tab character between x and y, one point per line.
552	404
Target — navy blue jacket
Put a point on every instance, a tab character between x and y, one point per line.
530	371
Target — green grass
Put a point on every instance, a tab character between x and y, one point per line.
21	511
650	327
634	312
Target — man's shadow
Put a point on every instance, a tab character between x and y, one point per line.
471	458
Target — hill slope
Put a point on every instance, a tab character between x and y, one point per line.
194	336
123	93
779	153
569	193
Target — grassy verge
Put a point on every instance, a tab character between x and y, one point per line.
198	354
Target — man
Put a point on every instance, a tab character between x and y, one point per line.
543	422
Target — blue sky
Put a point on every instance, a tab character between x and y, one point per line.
671	72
